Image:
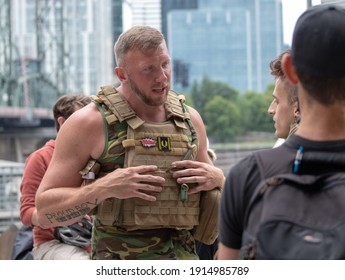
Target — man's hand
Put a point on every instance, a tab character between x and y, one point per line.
206	176
130	182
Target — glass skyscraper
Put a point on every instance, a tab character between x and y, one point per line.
67	45
230	41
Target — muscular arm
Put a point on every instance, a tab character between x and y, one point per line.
202	170
60	199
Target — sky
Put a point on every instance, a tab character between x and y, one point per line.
292	9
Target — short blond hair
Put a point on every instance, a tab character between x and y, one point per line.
142	38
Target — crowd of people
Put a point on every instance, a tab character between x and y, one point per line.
134	160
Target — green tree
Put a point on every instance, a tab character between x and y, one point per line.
222	117
254	111
202	93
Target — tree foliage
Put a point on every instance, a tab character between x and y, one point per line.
254	109
228	114
222	117
204	92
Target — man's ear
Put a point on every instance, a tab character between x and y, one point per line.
289	69
296	112
121	74
60	120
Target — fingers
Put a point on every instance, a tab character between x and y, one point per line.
151	179
145	168
191	180
149	188
197	172
143	189
187	164
145	196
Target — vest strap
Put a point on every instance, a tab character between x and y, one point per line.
128	143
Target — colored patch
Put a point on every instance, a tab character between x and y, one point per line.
148	142
164	143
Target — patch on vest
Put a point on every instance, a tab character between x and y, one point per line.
164	143
148	142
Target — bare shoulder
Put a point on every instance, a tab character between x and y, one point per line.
195	116
197	121
85	130
89	115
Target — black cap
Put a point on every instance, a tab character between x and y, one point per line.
318	42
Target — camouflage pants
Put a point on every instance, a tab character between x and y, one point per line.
111	243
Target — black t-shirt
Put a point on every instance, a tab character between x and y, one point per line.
244	177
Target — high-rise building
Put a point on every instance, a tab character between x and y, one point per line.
169	5
116	21
146	12
230	41
63	46
338	2
93	26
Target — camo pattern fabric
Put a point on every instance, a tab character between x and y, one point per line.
111	243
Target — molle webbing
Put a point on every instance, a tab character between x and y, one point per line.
158	144
168	210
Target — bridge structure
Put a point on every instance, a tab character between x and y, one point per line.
23	130
33	73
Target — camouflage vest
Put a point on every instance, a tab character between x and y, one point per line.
133	142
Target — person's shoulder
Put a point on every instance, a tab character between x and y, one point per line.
86	116
274	161
194	114
246	165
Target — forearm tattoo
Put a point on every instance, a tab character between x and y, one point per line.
71	213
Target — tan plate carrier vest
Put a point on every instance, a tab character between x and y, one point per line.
152	144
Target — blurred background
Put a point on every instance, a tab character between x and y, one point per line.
220	52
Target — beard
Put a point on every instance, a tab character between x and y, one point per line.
143	97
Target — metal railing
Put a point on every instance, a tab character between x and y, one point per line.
10	179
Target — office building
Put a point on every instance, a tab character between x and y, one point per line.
68	43
337	2
169	5
229	41
146	12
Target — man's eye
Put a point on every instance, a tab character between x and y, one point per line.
148	69
166	65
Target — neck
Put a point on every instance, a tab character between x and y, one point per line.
322	123
144	111
152	113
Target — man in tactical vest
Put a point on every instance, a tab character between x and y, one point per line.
136	158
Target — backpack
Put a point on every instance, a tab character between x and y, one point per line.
23	244
292	216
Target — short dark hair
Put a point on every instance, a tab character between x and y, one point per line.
278	73
67	104
318	55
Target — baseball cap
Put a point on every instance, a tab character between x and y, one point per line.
318	42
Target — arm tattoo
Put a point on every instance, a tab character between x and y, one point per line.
71	213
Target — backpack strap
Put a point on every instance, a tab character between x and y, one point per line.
324	157
261	163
